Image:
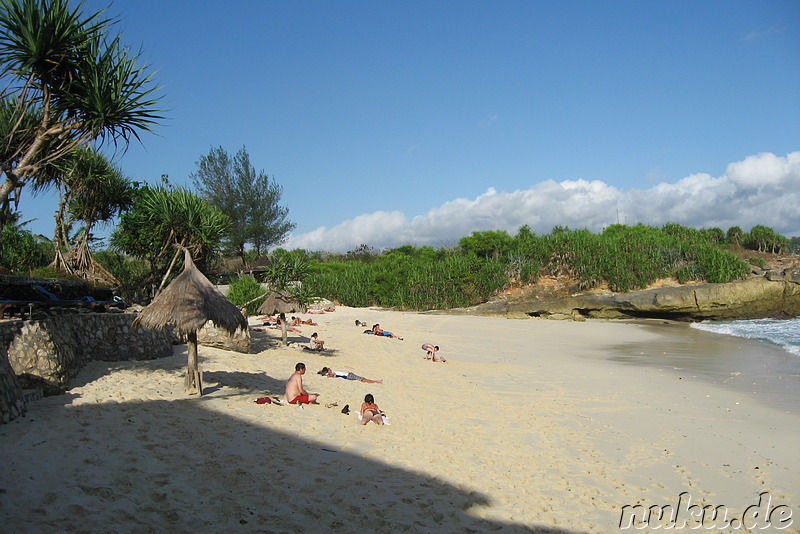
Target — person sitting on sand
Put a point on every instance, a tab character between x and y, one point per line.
315	344
370	411
431	351
295	393
330	373
378	331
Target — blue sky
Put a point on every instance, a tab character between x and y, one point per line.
392	123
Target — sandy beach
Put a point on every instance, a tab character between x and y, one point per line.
531	426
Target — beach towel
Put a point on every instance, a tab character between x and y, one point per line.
385	418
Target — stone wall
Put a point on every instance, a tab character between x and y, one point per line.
47	353
12	404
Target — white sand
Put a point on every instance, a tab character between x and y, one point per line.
526	428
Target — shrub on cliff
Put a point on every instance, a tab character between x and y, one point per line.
624	257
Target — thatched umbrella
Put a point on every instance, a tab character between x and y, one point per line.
188	303
280	302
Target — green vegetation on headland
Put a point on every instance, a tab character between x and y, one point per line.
623	258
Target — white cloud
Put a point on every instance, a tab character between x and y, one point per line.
757	34
761	189
488	122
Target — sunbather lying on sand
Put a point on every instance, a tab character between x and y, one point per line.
328	309
370	411
378	331
268	320
296	321
330	373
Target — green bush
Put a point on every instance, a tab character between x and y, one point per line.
21	251
404	281
758	262
131	273
720	266
245	289
51	272
689	273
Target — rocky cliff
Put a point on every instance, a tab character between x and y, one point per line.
775	293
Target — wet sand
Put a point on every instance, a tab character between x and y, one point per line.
759	370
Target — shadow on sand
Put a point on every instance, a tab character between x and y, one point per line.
262	340
234	476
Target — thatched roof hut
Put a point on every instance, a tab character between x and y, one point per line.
280	302
189	302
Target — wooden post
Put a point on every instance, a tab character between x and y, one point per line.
194	376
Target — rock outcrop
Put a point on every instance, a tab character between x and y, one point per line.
773	294
211	336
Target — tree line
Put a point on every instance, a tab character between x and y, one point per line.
73	95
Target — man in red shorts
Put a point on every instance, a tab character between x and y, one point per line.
295	393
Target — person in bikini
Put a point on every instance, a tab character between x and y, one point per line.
378	331
295	393
282	323
370	411
431	351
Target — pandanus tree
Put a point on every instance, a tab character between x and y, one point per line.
166	219
65	81
187	303
91	190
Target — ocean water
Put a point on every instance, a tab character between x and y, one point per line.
783	333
